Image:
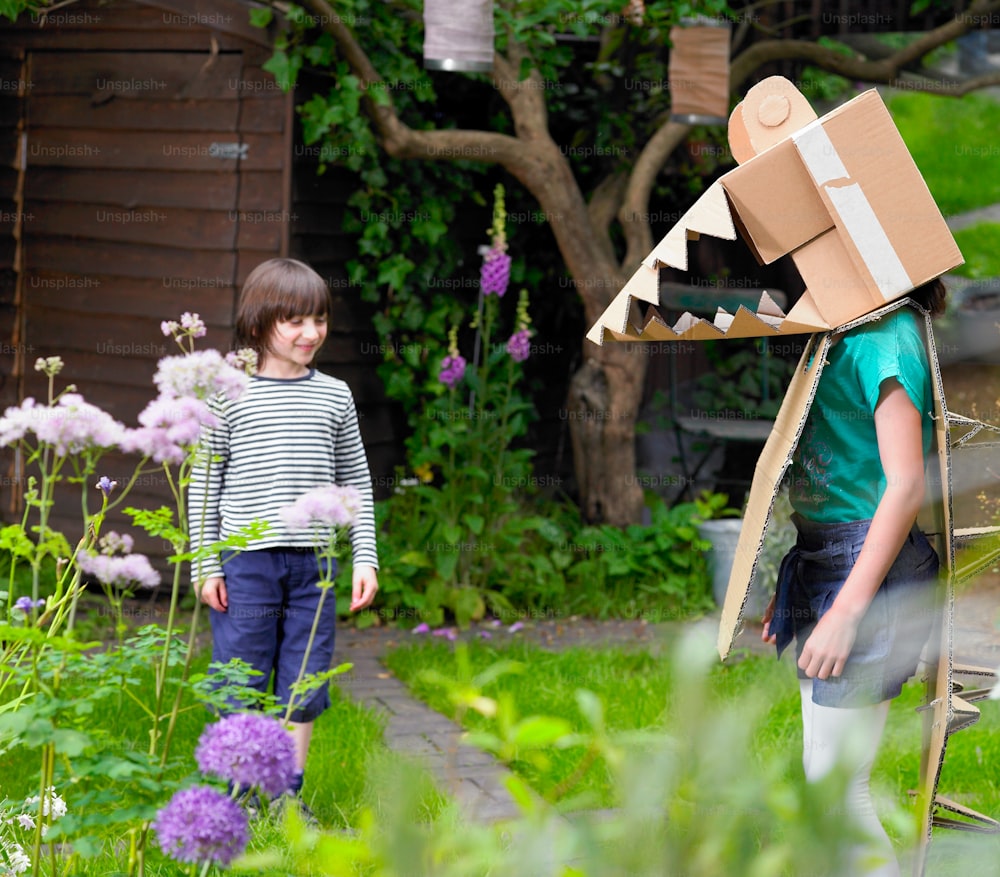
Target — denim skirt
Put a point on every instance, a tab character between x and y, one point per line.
894	629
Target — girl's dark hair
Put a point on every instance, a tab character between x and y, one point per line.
277	290
931	296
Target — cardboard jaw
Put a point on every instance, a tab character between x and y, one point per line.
841	195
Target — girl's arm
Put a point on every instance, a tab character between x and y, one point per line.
900	443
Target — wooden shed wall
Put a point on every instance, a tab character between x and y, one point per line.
154	176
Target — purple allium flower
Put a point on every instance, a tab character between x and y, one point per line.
106	485
250	749
519	345
69	426
201	823
170	428
452	370
329	505
495	273
201	374
119	572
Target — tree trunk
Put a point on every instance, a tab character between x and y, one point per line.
602	408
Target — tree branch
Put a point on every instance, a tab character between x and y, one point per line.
635	206
399	139
885	70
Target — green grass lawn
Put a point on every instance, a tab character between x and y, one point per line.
638	692
980	244
953	142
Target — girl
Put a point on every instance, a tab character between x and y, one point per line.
856	591
293	429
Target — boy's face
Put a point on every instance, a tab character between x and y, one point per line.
294	342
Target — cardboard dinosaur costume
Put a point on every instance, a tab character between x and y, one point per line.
862	228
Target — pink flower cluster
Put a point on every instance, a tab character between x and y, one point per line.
327	506
170	426
70	426
119	571
202	374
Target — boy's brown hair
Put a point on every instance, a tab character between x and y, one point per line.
277	289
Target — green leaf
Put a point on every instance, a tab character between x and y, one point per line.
261	17
535	732
474	522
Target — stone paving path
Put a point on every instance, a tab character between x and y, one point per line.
475	779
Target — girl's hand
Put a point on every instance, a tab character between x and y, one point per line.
213	593
766	634
364	584
829	645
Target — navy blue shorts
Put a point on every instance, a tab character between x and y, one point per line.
894	629
273	600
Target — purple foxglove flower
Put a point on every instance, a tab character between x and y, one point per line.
106	485
201	824
452	370
519	345
329	505
249	749
495	273
119	572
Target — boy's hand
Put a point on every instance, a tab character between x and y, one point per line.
213	593
364	584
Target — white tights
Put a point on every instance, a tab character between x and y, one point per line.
852	734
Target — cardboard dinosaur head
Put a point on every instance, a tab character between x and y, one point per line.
840	194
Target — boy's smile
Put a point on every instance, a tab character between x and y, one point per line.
292	346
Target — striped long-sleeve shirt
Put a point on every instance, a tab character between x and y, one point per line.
278	440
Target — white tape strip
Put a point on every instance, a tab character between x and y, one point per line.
859	219
819	154
854	210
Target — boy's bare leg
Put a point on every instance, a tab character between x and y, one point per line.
302	734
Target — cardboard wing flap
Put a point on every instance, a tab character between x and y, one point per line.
772	464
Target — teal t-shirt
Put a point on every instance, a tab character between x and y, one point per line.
836	472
